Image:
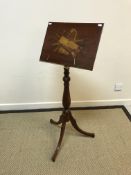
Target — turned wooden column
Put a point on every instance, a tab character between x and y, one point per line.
66	115
66	94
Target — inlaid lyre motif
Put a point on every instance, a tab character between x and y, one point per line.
68	44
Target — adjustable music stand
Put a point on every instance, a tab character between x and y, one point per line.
71	45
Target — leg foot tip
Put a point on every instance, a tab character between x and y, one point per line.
51	121
53	160
93	135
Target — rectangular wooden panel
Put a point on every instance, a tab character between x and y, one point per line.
71	44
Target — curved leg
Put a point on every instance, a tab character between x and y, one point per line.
57	122
59	142
74	124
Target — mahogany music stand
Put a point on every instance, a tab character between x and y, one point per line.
71	45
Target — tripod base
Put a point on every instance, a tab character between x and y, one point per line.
66	117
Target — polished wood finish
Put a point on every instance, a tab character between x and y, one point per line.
66	115
72	44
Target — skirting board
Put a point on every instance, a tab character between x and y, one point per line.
48	105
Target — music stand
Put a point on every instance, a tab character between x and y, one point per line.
71	45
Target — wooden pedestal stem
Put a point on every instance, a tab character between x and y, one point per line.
66	114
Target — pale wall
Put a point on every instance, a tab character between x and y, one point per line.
27	83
